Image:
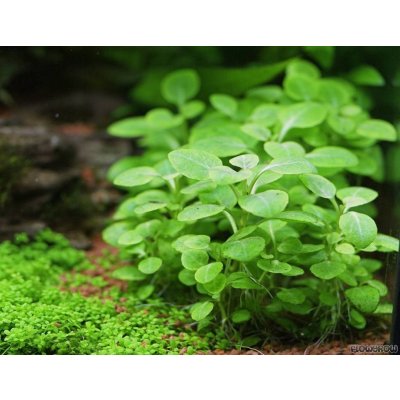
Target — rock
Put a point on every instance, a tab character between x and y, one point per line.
38	145
43	180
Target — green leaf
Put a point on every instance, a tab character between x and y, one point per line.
191	242
227	176
149	207
150	265
217	285
129	238
199	211
198	187
377	129
194	259
379	286
319	185
145	291
129	127
356	196
180	86
300	87
149	228
334	93
292	296
265	204
245	161
256	131
222	195
299	216
265	115
240	316
162	118
193	164
225	104
301	115
385	243
113	232
128	274
208	272
245	283
200	310
291	166
284	150
365	75
365	298
187	277
274	266
357	320
243	250
359	229
304	68
220	146
192	109
327	269
386	308
136	177
345	248
332	157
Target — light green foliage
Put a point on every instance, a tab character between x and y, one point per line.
36	317
257	216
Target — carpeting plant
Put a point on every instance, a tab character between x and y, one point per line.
36	317
257	203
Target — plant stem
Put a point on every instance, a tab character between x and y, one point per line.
231	221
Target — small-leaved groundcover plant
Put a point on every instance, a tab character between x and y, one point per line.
257	203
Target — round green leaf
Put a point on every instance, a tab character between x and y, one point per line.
217	285
327	269
359	229
291	166
150	265
135	177
256	131
357	320
199	211
377	129
162	118
192	109
220	146
245	249
149	207
194	259
128	274
356	196
379	286
145	291
227	176
187	277
265	114
319	185
275	266
225	104
365	298
245	161
180	86
366	75
129	127
200	310
292	296
332	157
240	316
192	163
208	272
265	204
283	150
191	242
302	115
300	87
129	238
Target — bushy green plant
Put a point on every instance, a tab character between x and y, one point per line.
257	202
36	317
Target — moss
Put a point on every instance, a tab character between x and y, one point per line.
37	318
